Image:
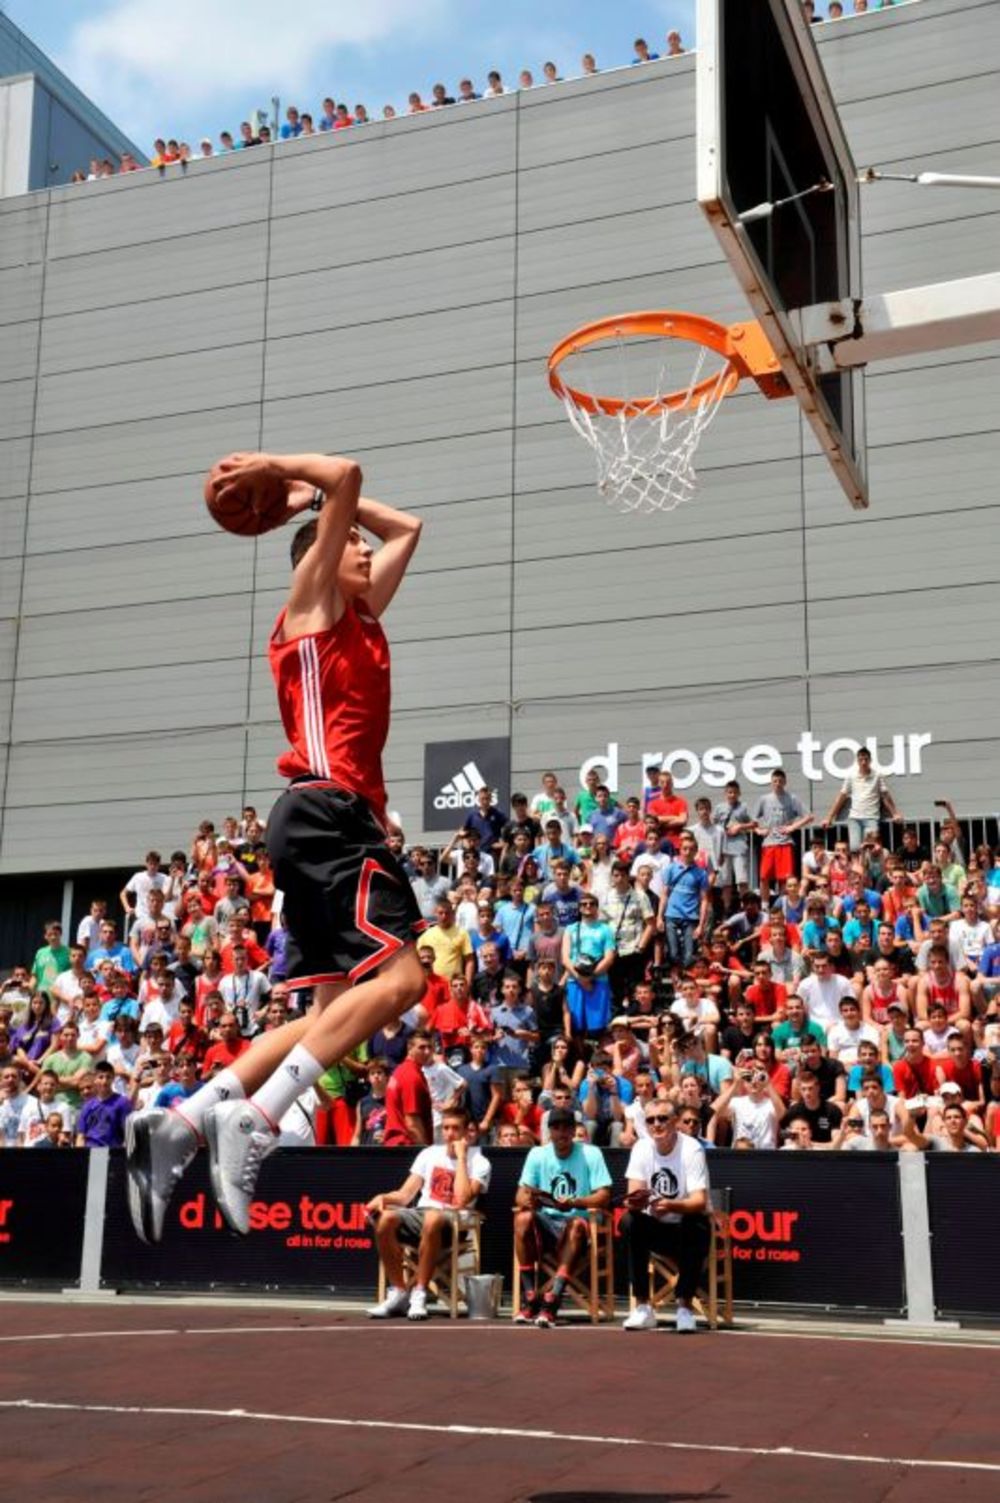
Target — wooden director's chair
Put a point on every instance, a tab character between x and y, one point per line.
592	1287
460	1257
718	1269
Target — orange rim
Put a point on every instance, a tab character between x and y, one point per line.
744	348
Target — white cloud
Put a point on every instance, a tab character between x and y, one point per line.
142	59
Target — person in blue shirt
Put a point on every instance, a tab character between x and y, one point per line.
685	903
817	926
642	52
856	892
868	1061
293	125
487	821
555	849
101	1121
588	953
562	895
860	930
607	816
184	1083
560	1183
110	948
515	919
604	1097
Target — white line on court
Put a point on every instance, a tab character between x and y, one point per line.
456	1328
504	1432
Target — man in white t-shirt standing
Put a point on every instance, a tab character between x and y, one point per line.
135	894
823	992
752	1107
866	794
448	1175
667	1178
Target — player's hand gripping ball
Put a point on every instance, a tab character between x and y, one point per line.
246	494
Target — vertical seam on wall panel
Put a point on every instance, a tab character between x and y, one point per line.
24	525
805	569
513	436
260	445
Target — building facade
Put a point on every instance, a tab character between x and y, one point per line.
392	293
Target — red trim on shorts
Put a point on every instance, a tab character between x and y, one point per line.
322	978
420	926
388	943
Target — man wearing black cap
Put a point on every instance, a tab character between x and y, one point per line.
560	1182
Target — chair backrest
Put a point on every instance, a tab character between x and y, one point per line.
720	1198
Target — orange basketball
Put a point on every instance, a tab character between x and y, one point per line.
246	505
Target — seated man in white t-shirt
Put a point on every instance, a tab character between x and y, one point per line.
751	1106
667	1178
445	1176
822	992
844	1036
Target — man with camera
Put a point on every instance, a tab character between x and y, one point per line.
751	1106
604	1097
667	1197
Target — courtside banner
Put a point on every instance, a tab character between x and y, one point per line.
790	1217
43	1197
814	1229
963	1192
454	771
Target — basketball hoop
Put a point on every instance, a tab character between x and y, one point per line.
645	446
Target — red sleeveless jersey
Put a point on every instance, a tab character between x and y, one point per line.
333	695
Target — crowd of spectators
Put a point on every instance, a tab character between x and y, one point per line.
334	116
588	959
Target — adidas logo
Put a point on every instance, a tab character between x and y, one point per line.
293	1071
460	792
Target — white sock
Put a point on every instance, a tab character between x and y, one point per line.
296	1073
225	1086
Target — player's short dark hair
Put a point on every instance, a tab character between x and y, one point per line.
303	541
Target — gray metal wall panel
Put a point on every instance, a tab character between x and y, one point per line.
418	220
400	158
406	286
105	705
132	637
136	574
464	468
409	349
952	703
17	406
896	627
123	767
213	259
919	404
624	181
119	513
856	67
61	837
144	389
168	324
628	108
940	117
708	647
970	554
8	636
943	251
120	452
20	349
922	477
12	511
22	229
549	259
15	458
20	295
150	206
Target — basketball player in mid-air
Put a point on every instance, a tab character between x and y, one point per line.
348	907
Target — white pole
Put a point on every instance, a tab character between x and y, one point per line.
955	180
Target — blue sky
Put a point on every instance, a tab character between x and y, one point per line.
190	68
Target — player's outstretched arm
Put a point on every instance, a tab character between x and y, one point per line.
399	533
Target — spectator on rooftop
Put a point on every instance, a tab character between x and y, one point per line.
440	96
344	119
466	92
361	116
588	64
525	79
494	84
306	121
172	153
184	153
205	147
834	10
551	73
388	112
329	115
159	152
642	52
265	135
226	142
416	104
247	137
128	163
292	126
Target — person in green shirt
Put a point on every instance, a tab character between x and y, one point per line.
341	1088
71	1063
52	959
936	899
788	1035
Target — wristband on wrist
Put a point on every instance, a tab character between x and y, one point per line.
316	504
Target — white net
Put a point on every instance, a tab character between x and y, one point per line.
645	460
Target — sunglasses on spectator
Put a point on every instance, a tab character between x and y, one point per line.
660	1121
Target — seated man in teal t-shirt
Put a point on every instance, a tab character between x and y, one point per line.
560	1182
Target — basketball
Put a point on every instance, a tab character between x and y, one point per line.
245	505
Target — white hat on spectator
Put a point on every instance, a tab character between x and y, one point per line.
950	1088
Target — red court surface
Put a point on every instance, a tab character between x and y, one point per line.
166	1401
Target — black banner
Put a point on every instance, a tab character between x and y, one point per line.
790	1213
963	1191
43	1199
454	770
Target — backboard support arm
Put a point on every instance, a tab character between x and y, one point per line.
891	325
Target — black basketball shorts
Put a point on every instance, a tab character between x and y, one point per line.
348	906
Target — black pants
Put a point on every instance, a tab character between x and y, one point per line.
686	1241
623	975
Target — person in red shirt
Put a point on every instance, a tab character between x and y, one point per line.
228	1050
409	1118
631	834
962	1070
185	1038
238	932
768	997
522	1109
669	808
436	990
916	1074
